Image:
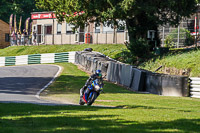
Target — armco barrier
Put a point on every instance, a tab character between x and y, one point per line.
111	73
38	59
132	77
138	80
9	61
195	87
128	75
167	85
91	61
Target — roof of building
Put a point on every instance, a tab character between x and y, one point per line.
1	21
43	12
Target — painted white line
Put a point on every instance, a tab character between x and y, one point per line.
38	93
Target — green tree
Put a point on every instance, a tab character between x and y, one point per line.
19	7
139	15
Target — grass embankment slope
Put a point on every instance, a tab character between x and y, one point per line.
110	50
186	61
132	112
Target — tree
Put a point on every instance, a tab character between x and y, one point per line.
139	15
19	7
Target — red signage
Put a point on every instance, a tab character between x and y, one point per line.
43	16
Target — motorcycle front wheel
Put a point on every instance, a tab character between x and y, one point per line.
92	99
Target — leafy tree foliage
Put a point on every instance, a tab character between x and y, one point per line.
139	15
19	7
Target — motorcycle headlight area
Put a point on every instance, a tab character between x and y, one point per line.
97	87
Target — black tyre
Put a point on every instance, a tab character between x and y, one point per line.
81	102
92	99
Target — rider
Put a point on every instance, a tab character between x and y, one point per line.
97	75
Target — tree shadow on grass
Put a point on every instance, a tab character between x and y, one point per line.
72	84
54	119
139	106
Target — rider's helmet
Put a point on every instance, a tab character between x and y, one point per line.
98	73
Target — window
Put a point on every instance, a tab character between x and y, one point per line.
121	26
48	29
97	28
59	27
69	28
126	36
107	28
7	37
120	29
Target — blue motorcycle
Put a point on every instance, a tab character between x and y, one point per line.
92	92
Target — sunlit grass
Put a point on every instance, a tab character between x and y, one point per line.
121	110
188	60
107	49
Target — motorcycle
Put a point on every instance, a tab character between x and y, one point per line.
92	92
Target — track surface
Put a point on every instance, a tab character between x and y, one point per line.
21	83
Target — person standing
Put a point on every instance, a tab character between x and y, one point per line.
34	37
25	37
13	39
22	39
18	39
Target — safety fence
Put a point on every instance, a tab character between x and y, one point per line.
91	61
132	77
38	59
108	37
195	87
116	72
182	35
18	40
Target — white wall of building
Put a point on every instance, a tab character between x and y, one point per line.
106	35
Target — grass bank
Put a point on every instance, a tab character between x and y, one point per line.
108	49
186	61
132	112
180	60
129	111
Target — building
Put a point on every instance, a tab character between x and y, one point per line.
46	30
180	37
4	34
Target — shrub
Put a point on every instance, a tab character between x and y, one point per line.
171	39
138	47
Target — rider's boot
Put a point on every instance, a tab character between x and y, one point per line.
81	97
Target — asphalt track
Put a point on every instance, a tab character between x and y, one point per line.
22	84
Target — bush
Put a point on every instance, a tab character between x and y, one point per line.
138	48
126	57
171	39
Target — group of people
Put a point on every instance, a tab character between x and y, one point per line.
19	38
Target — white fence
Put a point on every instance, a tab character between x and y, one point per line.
38	59
195	87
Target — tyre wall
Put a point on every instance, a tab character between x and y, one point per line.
132	77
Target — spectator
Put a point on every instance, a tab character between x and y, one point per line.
18	38
34	37
22	39
13	39
25	37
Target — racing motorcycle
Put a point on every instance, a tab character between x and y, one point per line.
92	92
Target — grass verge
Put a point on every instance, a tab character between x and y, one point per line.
180	60
133	112
108	49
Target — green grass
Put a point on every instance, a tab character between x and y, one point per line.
186	60
128	111
107	49
124	111
181	61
